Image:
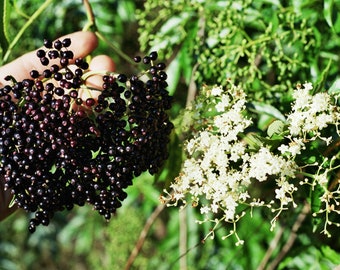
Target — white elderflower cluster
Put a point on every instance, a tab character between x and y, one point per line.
226	166
220	166
311	113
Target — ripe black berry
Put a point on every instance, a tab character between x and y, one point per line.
53	54
57	45
153	55
137	59
161	66
34	74
44	61
146	60
41	53
66	42
59	149
90	102
122	78
48	43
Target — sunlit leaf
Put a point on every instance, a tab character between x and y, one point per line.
328	11
275	128
263	108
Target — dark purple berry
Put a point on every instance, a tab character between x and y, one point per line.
48	43
160	66
74	94
63	62
54	68
122	78
59	91
66	42
53	54
78	72
146	60
44	61
153	55
47	73
41	53
90	102
57	45
34	74
137	59
163	76
58	76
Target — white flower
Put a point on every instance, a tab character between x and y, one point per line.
216	91
223	104
308	86
293	148
205	209
310	113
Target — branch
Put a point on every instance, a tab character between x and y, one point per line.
271	248
143	235
301	217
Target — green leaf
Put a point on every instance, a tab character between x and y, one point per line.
328	12
315	203
323	78
53	169
335	87
174	73
262	108
173	164
254	141
4	11
12	202
330	254
276	128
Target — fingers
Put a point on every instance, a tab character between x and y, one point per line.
82	44
99	63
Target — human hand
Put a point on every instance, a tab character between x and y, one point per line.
83	44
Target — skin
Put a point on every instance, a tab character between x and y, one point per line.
83	43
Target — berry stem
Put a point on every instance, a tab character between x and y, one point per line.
115	48
91	24
91	21
96	72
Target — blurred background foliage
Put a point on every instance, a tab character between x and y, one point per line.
265	46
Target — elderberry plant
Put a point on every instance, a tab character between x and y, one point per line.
264	46
59	149
231	167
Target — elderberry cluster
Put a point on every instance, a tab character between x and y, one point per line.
59	149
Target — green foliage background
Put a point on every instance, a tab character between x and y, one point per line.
265	46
